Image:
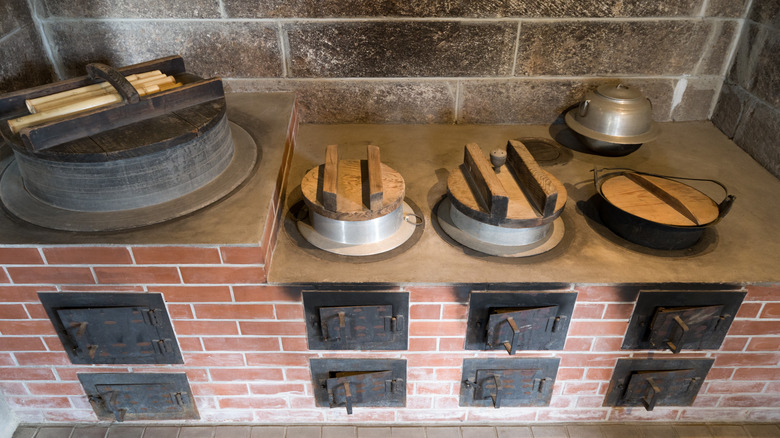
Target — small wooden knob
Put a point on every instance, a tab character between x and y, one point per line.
497	159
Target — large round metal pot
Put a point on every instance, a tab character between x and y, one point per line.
650	233
613	120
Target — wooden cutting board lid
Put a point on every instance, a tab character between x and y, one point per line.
521	194
659	199
353	190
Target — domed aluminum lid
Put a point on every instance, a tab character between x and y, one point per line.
616	114
619	92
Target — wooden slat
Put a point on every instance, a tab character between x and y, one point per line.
532	178
629	196
663	195
483	179
102	119
330	178
374	178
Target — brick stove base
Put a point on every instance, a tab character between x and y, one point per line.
246	357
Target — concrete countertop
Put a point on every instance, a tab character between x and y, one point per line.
743	247
238	219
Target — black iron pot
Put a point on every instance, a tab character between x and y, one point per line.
649	233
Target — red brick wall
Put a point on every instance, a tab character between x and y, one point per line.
246	357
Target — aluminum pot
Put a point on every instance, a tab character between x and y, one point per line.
649	233
613	120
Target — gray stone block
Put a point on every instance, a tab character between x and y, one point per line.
24	64
364	101
230	49
529	101
401	49
757	134
13	15
668	47
727	8
748	46
132	9
459	8
714	62
766	72
696	100
728	110
766	12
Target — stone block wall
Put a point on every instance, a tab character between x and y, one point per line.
424	62
748	110
25	62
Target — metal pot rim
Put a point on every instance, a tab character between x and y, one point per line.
576	126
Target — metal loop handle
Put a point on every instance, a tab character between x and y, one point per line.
414	219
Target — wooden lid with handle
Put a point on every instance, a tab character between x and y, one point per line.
519	194
659	199
353	190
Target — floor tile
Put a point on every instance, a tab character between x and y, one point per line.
231	432
514	432
267	432
197	432
408	432
374	432
549	432
693	431
125	432
727	431
24	432
477	432
762	430
622	431
161	432
54	432
303	432
442	432
89	432
585	431
657	431
339	432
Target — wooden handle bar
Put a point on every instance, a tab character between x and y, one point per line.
79	106
139	85
481	177
330	178
540	188
375	190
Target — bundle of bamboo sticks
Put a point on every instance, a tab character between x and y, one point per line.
66	103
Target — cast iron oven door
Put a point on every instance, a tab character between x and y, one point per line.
113	328
361	388
139	396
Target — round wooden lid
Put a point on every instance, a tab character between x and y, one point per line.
659	200
527	187
352	196
139	139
